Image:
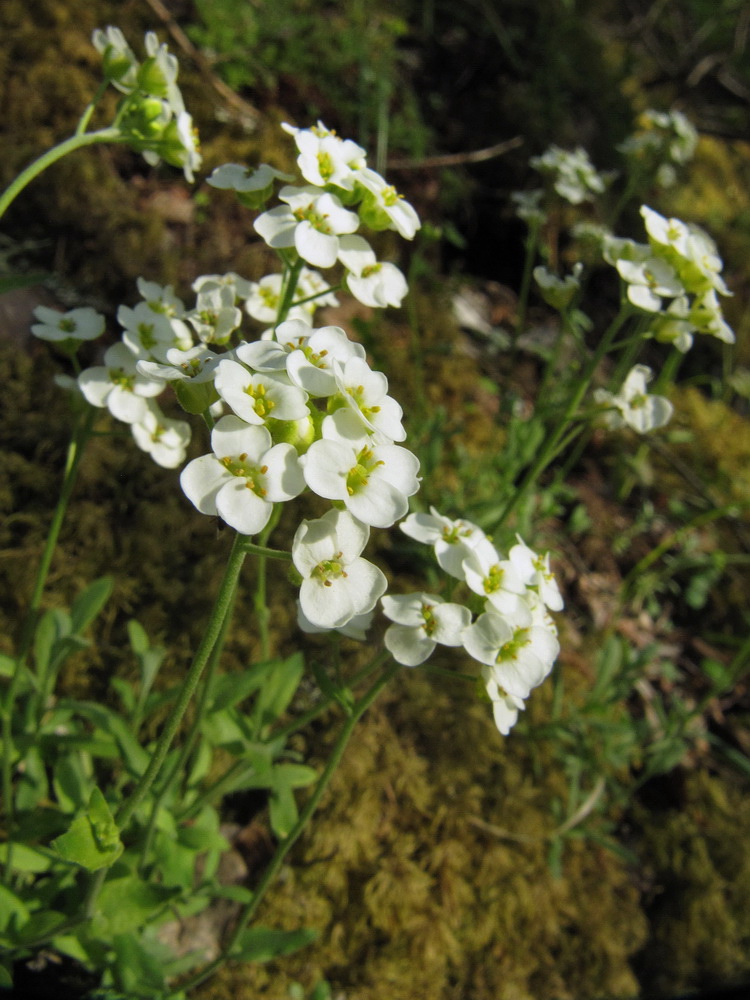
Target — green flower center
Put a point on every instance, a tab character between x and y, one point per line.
239	466
329	570
261	403
359	475
513	646
316	220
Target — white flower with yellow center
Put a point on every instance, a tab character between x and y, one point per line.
384	208
117	385
337	583
310	221
633	406
365	393
258	397
164	439
374	283
77	324
244	477
452	540
373	481
421	621
519	655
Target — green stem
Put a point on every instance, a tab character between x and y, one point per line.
180	765
552	444
81	434
262	611
532	243
290	287
209	640
286	845
76	141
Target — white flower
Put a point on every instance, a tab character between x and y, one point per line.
241	287
452	541
572	172
119	61
384	208
355	628
558	292
244	477
373	480
520	656
215	316
365	393
375	284
245	180
633	406
311	222
648	281
492	577
310	358
533	571
258	397
117	385
165	440
421	622
528	206
326	159
152	334
197	365
505	707
77	324
337	583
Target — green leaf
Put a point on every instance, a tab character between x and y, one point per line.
40	925
135	970
6	979
93	840
125	691
134	755
127	904
72	782
231	689
262	944
88	604
7	665
280	687
11	905
26	859
139	641
33	785
282	810
48	631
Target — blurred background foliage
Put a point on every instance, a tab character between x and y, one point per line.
424	85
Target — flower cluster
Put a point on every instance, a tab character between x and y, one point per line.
318	220
151	115
572	174
513	635
664	139
676	276
632	406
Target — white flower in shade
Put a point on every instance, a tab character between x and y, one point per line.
244	477
505	707
117	385
421	622
198	365
365	393
312	285
258	397
534	571
492	577
326	159
151	334
529	206
337	583
558	292
165	440
181	145
572	173
215	317
310	221
77	324
158	74
384	208
373	283
241	287
633	406
453	541
355	628
673	325
119	61
373	481
245	180
160	298
706	314
520	656
648	281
